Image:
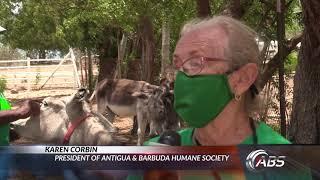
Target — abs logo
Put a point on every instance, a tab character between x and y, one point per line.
259	159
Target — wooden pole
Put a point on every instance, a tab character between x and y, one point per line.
74	77
81	70
75	69
121	54
281	36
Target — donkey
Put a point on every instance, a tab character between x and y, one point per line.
156	109
124	97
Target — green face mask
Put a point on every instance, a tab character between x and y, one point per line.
199	99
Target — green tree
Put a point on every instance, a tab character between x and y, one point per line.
97	26
32	25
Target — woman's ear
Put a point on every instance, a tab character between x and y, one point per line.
241	80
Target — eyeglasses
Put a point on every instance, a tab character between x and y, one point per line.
194	66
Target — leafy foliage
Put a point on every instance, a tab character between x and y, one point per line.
33	26
55	25
262	17
7	53
3	84
291	62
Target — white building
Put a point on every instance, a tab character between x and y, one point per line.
2	29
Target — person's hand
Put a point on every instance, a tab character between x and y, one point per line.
29	108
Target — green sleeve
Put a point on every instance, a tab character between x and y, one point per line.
4	129
266	135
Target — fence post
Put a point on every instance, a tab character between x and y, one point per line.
29	70
75	70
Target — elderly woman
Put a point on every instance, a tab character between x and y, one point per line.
216	85
216	89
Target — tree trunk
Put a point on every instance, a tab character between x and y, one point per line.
107	67
127	58
304	126
107	50
203	8
281	37
90	72
237	8
148	48
165	50
86	69
107	63
121	52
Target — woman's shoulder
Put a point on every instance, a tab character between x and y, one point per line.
266	135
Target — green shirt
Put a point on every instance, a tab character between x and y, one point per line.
4	129
265	134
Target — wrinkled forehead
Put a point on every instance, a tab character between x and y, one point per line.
205	41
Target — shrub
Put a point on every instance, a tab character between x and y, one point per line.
3	84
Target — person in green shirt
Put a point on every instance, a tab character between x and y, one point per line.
7	115
216	91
